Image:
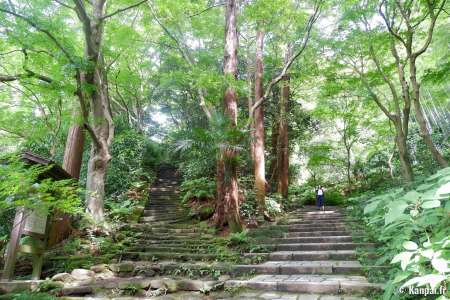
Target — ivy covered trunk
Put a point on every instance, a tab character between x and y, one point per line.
258	149
231	190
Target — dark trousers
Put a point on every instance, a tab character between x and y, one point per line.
320	201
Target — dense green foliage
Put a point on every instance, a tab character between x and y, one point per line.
412	228
362	72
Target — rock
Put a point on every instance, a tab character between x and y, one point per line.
165	283
145	271
107	274
224	277
82	274
100	268
171	285
75	291
63	277
124	267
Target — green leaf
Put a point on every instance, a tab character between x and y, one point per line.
440	265
408	245
411	196
427	253
431	204
404	258
444	190
371	207
432	279
395	212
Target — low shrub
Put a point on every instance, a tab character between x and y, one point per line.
412	228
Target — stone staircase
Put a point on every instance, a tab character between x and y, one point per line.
313	257
165	231
317	256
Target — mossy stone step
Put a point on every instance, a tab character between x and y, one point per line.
319	284
314	239
316	233
320	246
165	235
301	267
179	256
168	248
313	255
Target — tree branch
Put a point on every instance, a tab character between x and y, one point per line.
39	28
430	28
184	53
206	9
94	137
122	10
312	19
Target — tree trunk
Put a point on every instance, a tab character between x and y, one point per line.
283	142
231	196
218	218
424	132
349	165
102	131
405	162
73	153
274	148
259	160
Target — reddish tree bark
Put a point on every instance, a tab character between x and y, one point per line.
73	153
231	191
258	143
283	141
219	213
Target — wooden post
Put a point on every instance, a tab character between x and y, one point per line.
11	252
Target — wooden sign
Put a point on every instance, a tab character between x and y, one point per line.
36	221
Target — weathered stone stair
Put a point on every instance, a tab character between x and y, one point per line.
317	255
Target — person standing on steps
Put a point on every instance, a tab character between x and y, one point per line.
320	198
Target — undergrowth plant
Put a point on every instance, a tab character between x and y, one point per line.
412	227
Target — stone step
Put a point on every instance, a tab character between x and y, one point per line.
320	246
161	218
170	248
313	239
320	284
301	267
178	256
148	228
317	222
316	233
313	255
319	227
163	203
172	285
166	222
155	212
167	236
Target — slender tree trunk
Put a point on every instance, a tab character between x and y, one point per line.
349	165
274	147
283	142
218	218
102	131
231	196
73	153
259	160
424	132
405	161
